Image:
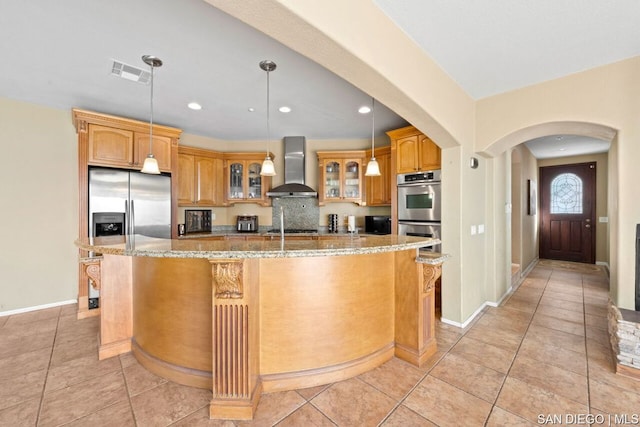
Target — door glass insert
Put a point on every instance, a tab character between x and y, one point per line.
235	181
566	194
332	180
352	180
255	181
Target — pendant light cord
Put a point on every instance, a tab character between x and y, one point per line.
151	115
373	126
268	121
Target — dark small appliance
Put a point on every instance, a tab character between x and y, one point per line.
247	223
377	224
333	223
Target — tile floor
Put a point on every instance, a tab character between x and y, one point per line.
545	351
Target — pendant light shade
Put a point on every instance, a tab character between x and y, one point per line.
150	164
268	169
373	169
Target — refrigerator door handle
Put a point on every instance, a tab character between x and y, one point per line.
127	220
133	219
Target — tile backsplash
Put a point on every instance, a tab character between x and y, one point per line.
299	213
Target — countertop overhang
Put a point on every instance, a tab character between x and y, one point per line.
138	245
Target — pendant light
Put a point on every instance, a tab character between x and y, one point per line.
150	165
268	169
373	169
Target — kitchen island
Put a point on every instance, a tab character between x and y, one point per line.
245	316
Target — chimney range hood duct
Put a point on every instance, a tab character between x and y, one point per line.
294	170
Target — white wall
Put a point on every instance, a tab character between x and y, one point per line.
39	193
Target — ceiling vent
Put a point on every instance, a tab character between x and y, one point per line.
130	72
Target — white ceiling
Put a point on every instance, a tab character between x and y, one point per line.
60	54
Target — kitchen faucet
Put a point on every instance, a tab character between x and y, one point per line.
282	223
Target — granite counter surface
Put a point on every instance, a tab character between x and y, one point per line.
138	245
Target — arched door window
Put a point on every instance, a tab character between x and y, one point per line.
566	194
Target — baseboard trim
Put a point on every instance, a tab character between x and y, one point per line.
469	319
37	307
605	265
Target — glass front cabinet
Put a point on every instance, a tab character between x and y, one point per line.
341	176
243	180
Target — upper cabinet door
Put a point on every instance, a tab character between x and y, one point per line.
429	154
186	182
406	154
110	146
161	150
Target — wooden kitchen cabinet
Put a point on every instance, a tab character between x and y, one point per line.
378	188
414	151
243	182
200	181
124	148
341	176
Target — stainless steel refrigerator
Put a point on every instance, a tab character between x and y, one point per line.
145	200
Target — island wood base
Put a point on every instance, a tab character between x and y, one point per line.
243	326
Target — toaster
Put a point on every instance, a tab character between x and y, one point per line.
247	223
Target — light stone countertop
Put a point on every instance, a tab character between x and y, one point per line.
431	258
138	245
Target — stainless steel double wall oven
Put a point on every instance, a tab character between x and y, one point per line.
419	205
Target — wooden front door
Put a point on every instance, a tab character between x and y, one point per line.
567	212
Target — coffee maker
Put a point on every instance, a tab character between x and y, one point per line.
247	223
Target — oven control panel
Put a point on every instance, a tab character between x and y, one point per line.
417	177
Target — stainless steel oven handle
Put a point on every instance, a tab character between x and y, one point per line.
420	184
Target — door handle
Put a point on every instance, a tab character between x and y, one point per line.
587	226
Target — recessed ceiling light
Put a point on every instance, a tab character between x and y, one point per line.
364	109
194	106
559	137
284	109
251	109
562	149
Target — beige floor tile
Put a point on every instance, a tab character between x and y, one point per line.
534	283
395	378
614	400
564	288
24	363
500	337
531	402
531	293
16	345
502	324
20	388
274	407
69	310
596	321
78	370
70	403
562	314
501	418
432	361
311	392
595	309
554	355
66	351
471	377
598	335
139	380
200	418
33	316
560	303
521	304
558	324
22	414
404	417
307	415
551	294
560	339
446	405
353	402
3	320
606	374
484	354
167	403
509	315
552	378
27	330
117	415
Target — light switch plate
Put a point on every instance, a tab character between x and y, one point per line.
603	219
481	229
473	230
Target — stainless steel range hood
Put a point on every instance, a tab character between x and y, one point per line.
294	170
